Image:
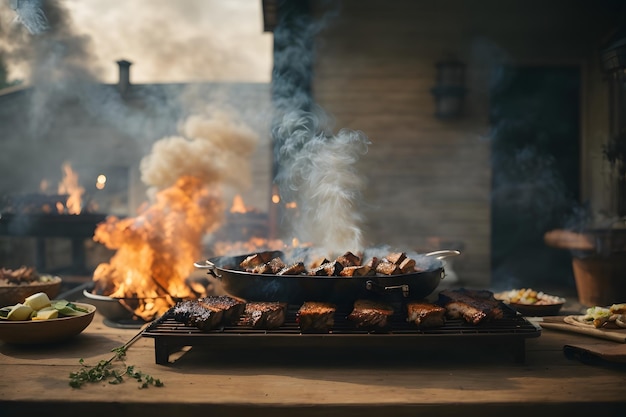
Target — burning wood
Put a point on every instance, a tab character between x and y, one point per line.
156	250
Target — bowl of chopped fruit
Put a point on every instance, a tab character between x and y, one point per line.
37	319
529	302
17	284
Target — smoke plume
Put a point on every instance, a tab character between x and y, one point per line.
213	149
314	166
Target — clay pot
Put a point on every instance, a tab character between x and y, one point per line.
600	279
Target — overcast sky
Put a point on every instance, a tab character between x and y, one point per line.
173	40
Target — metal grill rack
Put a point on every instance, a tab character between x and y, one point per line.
510	332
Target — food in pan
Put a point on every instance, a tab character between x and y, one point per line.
347	265
473	306
296	268
327	268
264	315
316	317
425	315
371	315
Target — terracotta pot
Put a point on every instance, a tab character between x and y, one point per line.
600	280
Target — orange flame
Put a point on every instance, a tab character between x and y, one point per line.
238	205
69	185
157	249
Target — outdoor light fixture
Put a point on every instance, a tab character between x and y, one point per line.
450	90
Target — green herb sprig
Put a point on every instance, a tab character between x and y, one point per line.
105	370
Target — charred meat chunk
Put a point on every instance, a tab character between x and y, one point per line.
297	268
371	315
356	271
425	315
349	259
473	306
257	259
387	268
264	315
192	313
328	269
232	307
316	317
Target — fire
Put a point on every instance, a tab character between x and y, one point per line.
157	249
69	185
238	205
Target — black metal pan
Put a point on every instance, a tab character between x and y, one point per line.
296	289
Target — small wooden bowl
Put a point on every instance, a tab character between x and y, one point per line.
31	332
13	294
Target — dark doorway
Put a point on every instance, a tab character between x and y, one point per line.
535	120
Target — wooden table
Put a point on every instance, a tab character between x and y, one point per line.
459	381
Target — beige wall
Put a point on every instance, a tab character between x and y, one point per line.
375	66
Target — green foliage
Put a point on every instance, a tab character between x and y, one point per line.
106	371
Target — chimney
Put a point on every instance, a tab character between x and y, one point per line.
124	80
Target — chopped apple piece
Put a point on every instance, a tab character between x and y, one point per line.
20	312
46	313
37	301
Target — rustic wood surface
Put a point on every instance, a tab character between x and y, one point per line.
460	378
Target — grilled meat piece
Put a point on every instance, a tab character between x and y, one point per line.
356	271
264	315
387	268
349	259
396	258
473	306
232	307
328	269
257	259
425	314
294	269
371	315
317	263
407	266
193	313
261	269
316	317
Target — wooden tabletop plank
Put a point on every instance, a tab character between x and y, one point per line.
363	381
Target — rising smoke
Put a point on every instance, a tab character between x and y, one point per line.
214	149
314	166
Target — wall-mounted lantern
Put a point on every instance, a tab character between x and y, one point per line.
449	92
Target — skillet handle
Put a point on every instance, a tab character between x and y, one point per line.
442	254
208	265
373	286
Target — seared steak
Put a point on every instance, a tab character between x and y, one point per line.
425	314
264	315
193	313
474	306
371	315
232	307
316	317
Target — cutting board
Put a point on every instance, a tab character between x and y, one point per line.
590	353
594	352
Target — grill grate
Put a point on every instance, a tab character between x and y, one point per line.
510	331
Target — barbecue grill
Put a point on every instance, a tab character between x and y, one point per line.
509	333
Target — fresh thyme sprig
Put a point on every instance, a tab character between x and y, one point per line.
106	371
